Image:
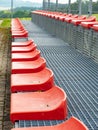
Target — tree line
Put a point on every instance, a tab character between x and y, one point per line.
21	12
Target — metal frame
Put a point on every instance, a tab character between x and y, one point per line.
90	8
11	9
69	6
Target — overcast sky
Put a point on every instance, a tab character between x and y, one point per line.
60	1
5	4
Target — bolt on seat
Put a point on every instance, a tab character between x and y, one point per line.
28	66
42	80
47	105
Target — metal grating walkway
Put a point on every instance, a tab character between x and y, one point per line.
74	72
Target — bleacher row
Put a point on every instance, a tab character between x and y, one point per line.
18	30
80	32
34	95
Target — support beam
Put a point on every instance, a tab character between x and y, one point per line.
48	4
56	8
90	8
11	9
69	6
80	6
43	4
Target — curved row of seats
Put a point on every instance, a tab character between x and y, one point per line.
80	32
30	74
74	19
58	23
17	29
62	24
34	94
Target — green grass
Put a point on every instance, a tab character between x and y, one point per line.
5	23
96	16
29	18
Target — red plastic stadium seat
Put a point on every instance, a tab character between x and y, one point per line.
20	34
88	24
17	29
62	17
29	48
95	27
28	56
69	19
42	80
78	21
28	66
71	124
22	44
47	105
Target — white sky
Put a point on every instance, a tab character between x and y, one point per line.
60	1
37	1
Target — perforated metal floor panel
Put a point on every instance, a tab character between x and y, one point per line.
75	73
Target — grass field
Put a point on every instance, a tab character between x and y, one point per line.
96	16
26	18
7	22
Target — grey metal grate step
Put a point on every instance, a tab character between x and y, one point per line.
78	76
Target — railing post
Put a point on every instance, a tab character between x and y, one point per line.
90	8
48	4
80	6
69	6
56	5
44	4
11	9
